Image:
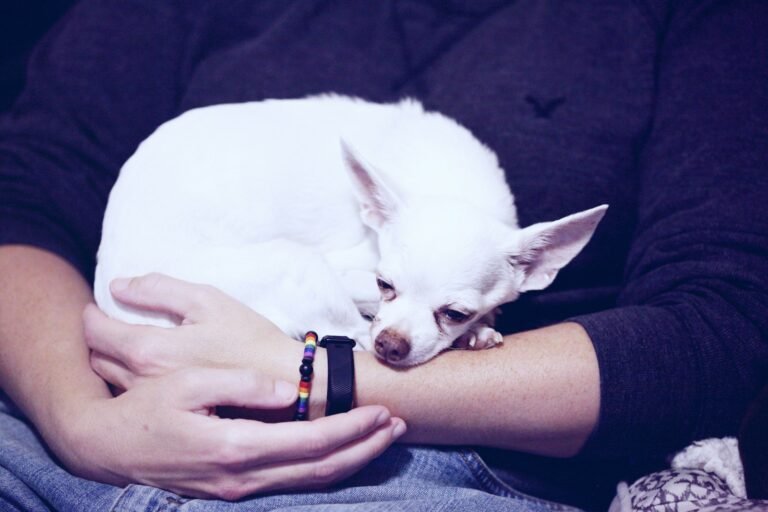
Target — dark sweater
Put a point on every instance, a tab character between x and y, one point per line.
659	110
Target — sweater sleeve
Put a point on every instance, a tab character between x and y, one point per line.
687	345
101	80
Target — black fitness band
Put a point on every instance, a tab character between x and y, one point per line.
341	373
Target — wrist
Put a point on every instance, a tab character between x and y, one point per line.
340	387
318	396
333	383
287	369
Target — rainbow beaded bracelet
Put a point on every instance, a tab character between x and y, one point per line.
305	384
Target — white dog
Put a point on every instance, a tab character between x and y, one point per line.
385	223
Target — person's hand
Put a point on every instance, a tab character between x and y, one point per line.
158	433
175	376
215	331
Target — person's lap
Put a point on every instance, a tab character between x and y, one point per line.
403	478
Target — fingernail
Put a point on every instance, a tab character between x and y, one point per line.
119	284
399	429
382	418
285	390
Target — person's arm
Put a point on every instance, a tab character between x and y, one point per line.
44	363
82	112
537	392
44	367
686	346
684	350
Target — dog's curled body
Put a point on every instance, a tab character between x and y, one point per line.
295	206
255	199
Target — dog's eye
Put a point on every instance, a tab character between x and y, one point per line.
383	285
386	289
455	316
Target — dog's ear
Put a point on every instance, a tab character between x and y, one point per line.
543	249
378	203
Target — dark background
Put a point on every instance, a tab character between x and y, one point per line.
22	24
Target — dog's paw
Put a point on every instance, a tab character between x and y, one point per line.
479	337
486	337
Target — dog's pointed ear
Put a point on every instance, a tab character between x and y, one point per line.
378	203
543	249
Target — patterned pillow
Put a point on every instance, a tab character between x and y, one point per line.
682	490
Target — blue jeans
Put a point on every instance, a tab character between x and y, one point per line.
403	478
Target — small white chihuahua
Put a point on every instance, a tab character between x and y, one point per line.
385	223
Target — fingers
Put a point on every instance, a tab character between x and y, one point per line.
302	439
141	348
333	467
230	459
112	371
107	335
311	471
249	456
208	387
158	292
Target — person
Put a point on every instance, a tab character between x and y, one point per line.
653	337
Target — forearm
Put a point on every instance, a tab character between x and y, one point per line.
538	392
44	363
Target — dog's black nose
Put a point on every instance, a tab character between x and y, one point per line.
392	346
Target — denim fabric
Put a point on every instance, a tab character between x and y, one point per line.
404	478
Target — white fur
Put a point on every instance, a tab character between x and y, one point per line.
294	206
715	455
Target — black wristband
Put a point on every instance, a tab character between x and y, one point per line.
341	373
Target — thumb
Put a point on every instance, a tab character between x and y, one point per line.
199	388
